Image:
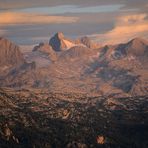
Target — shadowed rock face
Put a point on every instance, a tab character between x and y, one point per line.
136	47
56	42
60	43
10	54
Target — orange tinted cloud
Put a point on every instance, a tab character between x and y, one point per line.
126	27
11	18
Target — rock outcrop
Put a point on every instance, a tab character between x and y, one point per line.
87	42
46	49
10	54
60	43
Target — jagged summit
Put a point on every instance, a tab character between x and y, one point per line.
45	49
137	43
60	43
10	53
57	42
138	40
136	47
60	35
86	42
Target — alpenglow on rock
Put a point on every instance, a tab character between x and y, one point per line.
46	49
60	43
113	69
87	42
10	54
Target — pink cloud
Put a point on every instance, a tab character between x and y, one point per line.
126	27
12	18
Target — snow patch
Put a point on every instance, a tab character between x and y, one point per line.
68	44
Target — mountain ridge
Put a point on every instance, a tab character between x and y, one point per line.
108	69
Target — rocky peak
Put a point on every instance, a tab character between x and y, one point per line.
137	46
46	49
87	42
137	42
57	42
10	53
43	47
60	43
59	35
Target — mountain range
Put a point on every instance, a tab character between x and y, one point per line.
80	66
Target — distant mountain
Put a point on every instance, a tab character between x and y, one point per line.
136	47
46	49
10	53
122	66
76	52
60	43
70	66
87	42
12	62
10	56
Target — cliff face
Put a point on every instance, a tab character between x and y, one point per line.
10	54
12	63
60	43
57	42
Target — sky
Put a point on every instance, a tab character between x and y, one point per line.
27	22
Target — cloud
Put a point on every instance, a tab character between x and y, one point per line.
19	4
3	32
66	9
126	27
13	18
